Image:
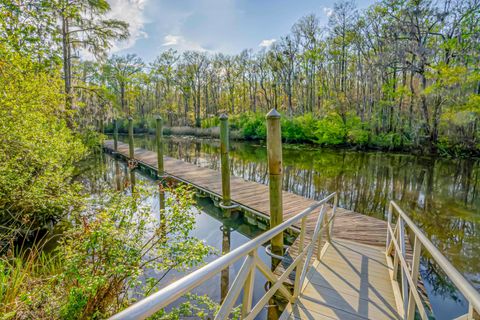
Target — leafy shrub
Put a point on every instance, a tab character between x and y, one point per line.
104	256
252	125
300	129
357	133
210	122
390	141
330	130
37	149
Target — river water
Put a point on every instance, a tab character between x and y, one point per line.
440	195
102	172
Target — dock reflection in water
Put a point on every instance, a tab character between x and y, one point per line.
224	234
441	195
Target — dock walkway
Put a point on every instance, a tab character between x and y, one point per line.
351	281
253	197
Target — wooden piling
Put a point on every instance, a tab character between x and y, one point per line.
115	135
159	136
131	153
224	146
225	274
274	150
161	170
118	178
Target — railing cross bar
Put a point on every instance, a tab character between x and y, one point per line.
236	287
396	245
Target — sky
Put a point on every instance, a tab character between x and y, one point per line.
226	26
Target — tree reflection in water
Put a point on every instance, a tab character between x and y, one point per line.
441	195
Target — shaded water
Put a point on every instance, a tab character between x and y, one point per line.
440	195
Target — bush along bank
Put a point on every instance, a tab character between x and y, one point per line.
331	130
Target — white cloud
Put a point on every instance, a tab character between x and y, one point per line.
267	43
328	11
206	25
180	43
131	11
171	40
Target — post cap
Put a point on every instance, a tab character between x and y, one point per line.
158	117
223	116
273	114
130	118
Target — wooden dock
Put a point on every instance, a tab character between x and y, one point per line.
351	283
253	197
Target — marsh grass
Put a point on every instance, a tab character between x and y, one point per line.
22	266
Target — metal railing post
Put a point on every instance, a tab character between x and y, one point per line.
389	223
401	233
417	249
299	269
248	291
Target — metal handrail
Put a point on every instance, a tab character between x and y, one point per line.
162	298
410	275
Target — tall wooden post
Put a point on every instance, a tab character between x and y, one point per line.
274	150
118	180
224	146
131	153
160	146
225	274
160	169
115	135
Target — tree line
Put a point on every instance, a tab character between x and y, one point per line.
404	69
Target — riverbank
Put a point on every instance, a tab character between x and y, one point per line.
239	135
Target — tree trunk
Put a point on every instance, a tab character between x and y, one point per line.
67	64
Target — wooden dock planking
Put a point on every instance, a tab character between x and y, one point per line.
348	225
254	196
350	281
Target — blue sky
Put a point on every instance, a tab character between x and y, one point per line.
227	26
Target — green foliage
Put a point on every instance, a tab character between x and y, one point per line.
22	268
252	125
298	129
357	133
330	130
210	122
104	256
389	141
38	150
198	307
124	238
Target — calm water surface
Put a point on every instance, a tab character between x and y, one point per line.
440	195
223	234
